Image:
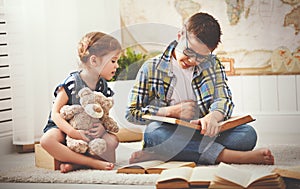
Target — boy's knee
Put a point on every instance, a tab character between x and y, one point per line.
251	138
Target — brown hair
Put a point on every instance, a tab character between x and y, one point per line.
206	28
96	43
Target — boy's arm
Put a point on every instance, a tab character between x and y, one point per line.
222	97
139	101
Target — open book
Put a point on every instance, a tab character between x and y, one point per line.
153	166
291	172
225	125
186	177
228	176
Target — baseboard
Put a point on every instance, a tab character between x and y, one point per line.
25	148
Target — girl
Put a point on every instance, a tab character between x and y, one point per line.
99	54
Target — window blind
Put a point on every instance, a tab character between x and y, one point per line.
5	78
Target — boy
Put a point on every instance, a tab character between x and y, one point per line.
188	82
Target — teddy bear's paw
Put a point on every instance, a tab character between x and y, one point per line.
114	129
79	146
97	146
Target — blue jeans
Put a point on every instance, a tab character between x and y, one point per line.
184	144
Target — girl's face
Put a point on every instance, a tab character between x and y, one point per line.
107	65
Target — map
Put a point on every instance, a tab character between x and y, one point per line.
260	35
293	17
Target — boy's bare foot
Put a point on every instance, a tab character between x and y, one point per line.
258	156
142	155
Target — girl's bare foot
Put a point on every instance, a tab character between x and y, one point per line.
68	167
103	165
258	156
142	155
100	165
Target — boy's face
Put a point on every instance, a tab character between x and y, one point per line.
190	50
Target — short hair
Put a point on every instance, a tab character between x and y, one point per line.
206	28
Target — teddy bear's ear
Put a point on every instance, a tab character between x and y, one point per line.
84	91
111	99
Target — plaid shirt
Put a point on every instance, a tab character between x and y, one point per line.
155	83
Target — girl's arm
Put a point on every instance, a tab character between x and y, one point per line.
62	124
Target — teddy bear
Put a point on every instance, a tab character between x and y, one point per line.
94	108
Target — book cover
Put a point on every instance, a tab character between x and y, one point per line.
225	125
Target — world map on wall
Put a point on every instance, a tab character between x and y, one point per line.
235	8
262	36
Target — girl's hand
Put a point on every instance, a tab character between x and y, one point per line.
97	131
79	135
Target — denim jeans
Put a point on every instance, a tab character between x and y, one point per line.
180	143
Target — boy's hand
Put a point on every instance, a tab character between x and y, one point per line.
183	110
210	125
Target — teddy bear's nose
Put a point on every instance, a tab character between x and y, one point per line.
97	108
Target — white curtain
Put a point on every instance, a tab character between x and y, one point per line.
43	37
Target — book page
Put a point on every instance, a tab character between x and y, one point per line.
183	173
290	172
144	165
233	174
160	118
203	174
174	164
261	175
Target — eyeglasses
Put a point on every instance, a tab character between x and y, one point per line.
191	53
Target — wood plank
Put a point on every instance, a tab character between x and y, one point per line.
287	93
269	93
298	92
235	85
251	93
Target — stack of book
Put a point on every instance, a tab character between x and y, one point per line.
225	176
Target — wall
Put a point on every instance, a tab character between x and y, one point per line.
275	103
252	29
43	37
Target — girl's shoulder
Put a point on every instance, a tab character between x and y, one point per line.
68	84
